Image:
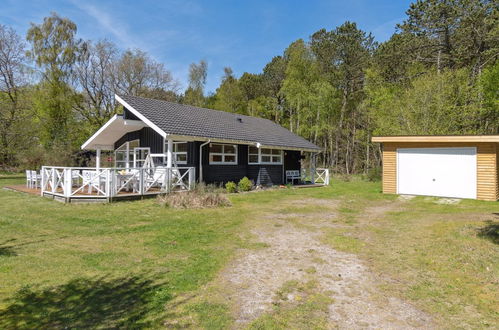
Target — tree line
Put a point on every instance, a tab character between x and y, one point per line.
437	74
56	90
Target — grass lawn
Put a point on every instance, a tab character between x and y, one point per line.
125	263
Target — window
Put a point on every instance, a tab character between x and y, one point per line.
179	152
223	154
264	156
123	155
253	155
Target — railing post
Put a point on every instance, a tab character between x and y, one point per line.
141	181
53	180
42	181
67	182
168	175
192	177
327	177
108	182
112	183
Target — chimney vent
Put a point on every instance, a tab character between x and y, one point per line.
239	119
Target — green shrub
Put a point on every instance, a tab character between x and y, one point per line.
245	184
231	187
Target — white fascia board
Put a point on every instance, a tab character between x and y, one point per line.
136	123
104	146
140	116
103	128
252	143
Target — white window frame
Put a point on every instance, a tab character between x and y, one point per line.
223	154
127	150
260	162
175	153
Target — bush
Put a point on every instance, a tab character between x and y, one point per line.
245	184
231	187
194	199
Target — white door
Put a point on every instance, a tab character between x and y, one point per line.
444	172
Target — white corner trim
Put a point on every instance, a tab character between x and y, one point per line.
140	116
109	122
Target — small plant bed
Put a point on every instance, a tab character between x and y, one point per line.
202	196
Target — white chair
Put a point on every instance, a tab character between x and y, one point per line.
157	178
93	180
293	175
35	179
29	183
75	178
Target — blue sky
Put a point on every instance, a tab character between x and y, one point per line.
244	35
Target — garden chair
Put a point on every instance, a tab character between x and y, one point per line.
158	177
36	179
292	176
93	181
29	183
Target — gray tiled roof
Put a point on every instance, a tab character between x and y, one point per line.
180	119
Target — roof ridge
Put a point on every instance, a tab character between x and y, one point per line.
196	107
183	119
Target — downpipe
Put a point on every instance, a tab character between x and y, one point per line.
201	160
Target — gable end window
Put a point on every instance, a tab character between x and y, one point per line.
264	156
223	154
124	154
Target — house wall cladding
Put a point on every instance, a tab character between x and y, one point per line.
265	175
259	174
148	138
487	165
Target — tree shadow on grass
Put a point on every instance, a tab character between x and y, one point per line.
490	231
83	303
6	249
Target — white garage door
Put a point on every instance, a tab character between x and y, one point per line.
445	172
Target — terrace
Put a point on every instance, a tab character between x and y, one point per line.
71	184
95	184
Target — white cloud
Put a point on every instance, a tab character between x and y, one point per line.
110	23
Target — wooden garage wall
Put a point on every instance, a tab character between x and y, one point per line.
487	165
497	171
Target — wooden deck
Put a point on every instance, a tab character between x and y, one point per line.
86	197
83	197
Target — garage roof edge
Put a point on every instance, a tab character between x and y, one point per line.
437	138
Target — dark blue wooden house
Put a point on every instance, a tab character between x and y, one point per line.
221	146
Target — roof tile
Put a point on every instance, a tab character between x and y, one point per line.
181	119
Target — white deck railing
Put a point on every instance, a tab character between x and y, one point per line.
319	176
109	182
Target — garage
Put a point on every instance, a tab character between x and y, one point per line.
443	166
